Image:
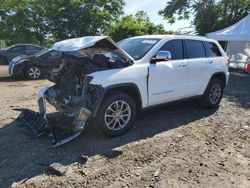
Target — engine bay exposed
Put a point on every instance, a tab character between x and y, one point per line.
73	96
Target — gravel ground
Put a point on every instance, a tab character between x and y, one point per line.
177	145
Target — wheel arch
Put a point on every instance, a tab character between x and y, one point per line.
221	76
128	88
31	64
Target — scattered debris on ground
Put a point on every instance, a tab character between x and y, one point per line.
177	145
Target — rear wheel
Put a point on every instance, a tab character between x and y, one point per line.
33	72
213	94
116	114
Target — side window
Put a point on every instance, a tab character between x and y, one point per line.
195	49
51	54
36	48
32	48
223	44
55	53
16	49
29	48
212	49
175	47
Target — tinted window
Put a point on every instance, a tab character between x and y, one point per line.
32	48
212	49
51	54
175	47
223	44
16	49
195	49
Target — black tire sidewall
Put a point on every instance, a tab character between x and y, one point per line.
27	72
206	97
99	119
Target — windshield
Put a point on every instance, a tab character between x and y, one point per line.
137	47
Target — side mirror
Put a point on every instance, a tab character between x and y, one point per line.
162	56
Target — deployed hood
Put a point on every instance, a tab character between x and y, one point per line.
97	42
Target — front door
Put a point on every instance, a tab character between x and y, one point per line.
168	79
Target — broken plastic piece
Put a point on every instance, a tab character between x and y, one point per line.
59	135
37	126
33	122
81	119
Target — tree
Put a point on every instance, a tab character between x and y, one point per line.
134	25
209	15
53	20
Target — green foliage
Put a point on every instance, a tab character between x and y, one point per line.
53	20
134	25
209	15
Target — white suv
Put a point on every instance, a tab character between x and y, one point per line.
106	84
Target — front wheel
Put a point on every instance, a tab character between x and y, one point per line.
116	114
33	72
213	94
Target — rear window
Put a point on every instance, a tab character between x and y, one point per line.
195	49
212	49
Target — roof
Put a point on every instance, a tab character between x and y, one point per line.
26	44
237	32
76	44
191	37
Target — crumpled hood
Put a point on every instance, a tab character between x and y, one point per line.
81	43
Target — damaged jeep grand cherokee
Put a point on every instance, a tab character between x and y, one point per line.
105	84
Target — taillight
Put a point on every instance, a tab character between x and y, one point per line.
229	61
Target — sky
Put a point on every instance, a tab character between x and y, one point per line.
152	8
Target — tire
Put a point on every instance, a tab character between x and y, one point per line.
213	94
33	72
111	122
3	60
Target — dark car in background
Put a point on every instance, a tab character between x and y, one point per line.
7	54
35	66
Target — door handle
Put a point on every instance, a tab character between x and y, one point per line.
183	65
209	62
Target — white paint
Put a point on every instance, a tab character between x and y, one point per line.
167	80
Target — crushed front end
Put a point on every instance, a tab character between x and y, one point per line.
72	95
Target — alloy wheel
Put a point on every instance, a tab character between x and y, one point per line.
117	115
34	72
215	93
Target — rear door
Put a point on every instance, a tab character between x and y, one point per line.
168	79
199	67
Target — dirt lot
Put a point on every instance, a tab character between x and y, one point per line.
178	145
